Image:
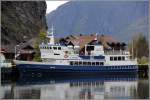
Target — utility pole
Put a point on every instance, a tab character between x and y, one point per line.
16	51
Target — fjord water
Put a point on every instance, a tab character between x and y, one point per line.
95	87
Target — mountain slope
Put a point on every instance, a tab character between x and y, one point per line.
111	18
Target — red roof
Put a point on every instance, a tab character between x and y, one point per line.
2	50
85	39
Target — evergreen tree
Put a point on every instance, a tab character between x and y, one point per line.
140	48
41	38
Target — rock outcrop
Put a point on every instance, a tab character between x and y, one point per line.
21	19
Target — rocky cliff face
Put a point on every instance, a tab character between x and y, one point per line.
21	19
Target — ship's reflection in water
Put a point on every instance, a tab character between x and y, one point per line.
68	88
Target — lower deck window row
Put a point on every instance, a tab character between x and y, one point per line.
86	63
101	63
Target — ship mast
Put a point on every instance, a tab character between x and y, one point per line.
50	35
95	37
132	50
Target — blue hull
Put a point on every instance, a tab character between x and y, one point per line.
34	68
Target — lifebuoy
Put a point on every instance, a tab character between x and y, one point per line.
66	56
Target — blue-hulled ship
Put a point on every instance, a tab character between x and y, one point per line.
66	59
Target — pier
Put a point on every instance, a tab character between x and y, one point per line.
143	71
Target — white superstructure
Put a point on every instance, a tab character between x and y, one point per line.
93	54
4	62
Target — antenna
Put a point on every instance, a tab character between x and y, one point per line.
52	29
50	35
132	50
95	37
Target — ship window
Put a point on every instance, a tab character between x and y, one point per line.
55	48
128	57
76	63
84	63
97	63
89	48
80	63
89	63
71	63
59	48
115	58
111	58
101	63
123	58
93	63
129	67
119	58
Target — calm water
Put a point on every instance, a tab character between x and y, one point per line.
71	87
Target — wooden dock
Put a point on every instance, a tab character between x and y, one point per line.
143	71
9	73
